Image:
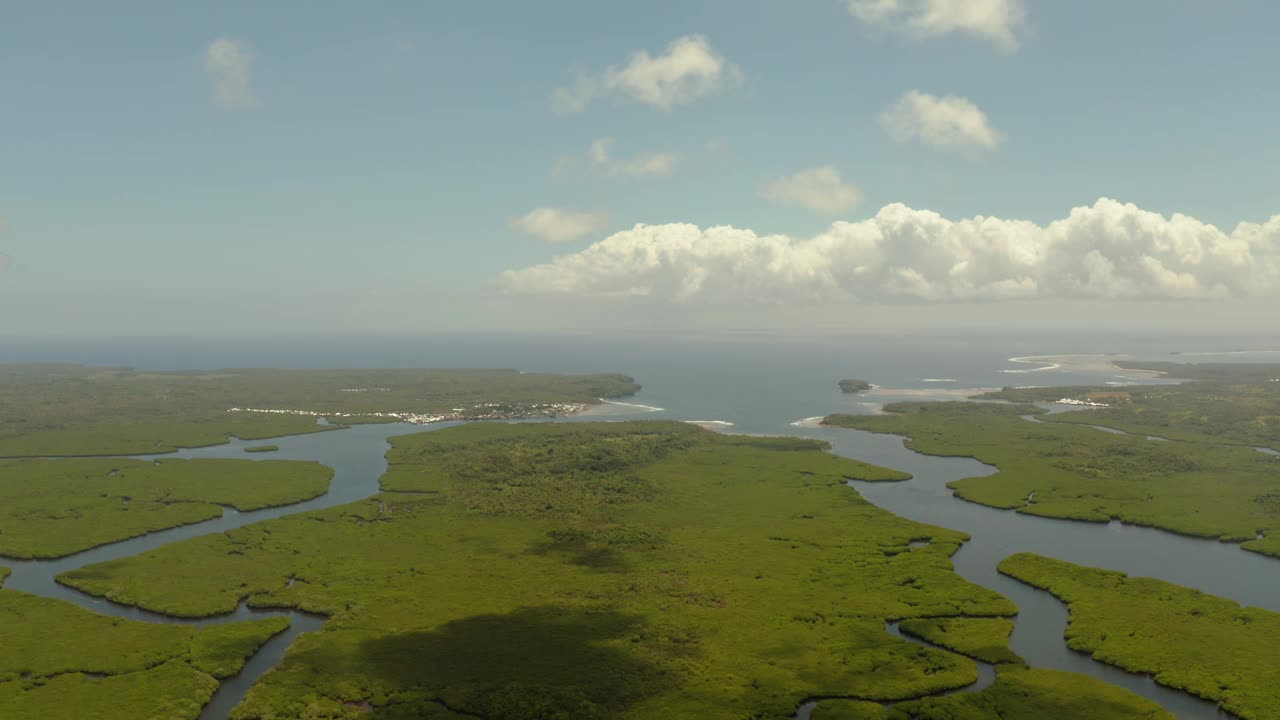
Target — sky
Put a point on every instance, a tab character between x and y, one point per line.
826	165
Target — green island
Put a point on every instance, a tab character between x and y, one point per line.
1225	403
262	449
54	508
62	410
1186	639
95	666
985	639
854	386
631	570
1068	471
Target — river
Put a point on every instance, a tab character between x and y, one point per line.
751	394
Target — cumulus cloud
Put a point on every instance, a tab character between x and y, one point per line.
997	21
821	189
556	225
227	63
943	122
689	69
1108	251
600	158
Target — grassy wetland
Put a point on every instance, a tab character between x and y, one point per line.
1069	471
593	570
1209	646
53	508
60	410
1236	404
62	661
1017	693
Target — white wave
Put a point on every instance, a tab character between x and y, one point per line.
938	380
650	408
703	423
809	422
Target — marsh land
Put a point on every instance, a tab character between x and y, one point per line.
60	410
1061	468
622	569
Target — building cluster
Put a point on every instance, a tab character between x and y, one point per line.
1087	403
483	411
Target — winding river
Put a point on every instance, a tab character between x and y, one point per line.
357	456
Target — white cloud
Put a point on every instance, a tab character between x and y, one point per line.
689	69
997	21
1108	251
600	152
227	63
821	189
574	99
600	157
944	122
651	165
556	226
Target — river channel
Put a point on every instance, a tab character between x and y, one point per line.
357	456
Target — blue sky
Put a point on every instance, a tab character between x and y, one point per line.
379	156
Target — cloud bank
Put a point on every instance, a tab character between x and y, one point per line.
1000	22
942	122
1108	251
555	225
227	64
688	70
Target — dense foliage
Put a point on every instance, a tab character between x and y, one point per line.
854	386
262	448
849	710
1186	639
986	639
1067	471
52	508
575	570
77	410
1225	403
60	661
1035	693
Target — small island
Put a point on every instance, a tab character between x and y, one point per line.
262	448
854	386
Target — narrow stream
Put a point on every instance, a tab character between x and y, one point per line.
986	676
1216	568
358	458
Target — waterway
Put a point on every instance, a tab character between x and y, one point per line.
749	393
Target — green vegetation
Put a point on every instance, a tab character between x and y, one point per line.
1200	643
1066	471
854	386
62	661
1036	693
171	691
631	570
58	410
262	448
1224	403
849	710
986	639
43	638
221	650
53	508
